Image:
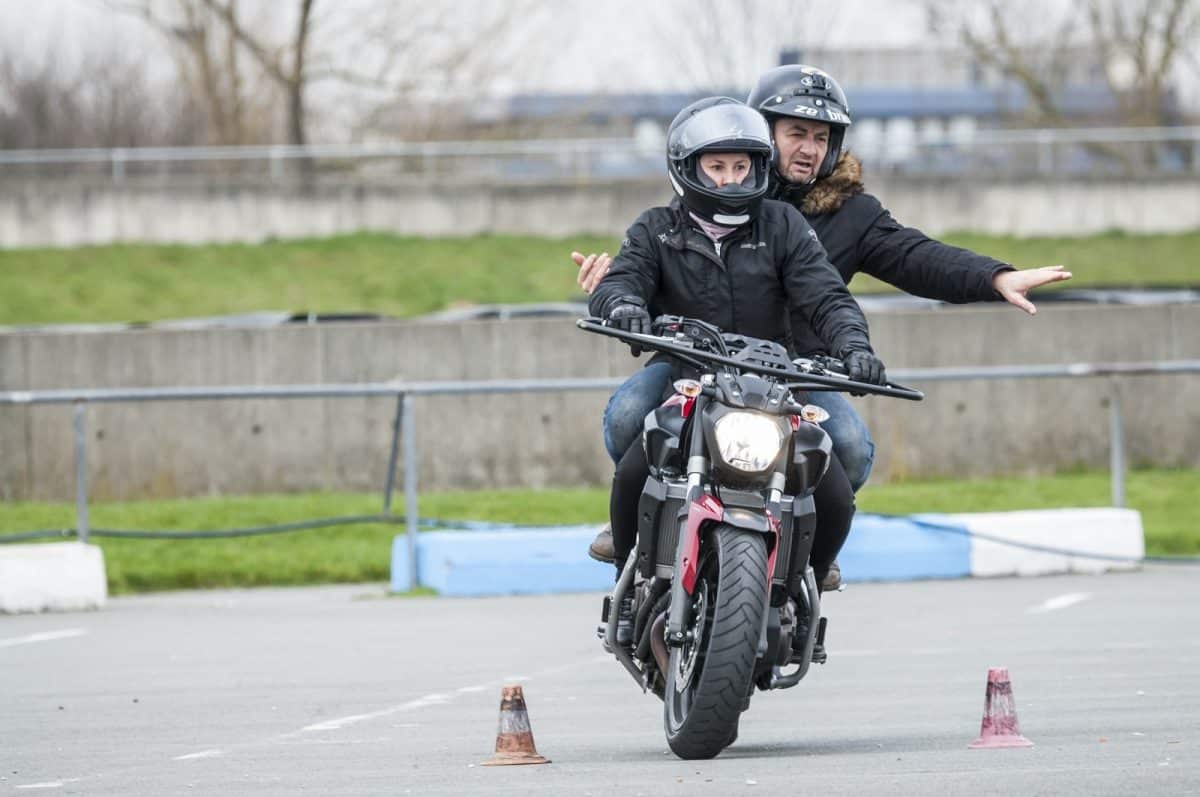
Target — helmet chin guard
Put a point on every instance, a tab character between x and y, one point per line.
711	125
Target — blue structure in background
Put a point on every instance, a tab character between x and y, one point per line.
882	548
520	561
981	102
532	561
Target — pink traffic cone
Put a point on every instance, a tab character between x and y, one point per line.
999	727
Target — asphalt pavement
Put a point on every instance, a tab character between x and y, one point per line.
342	690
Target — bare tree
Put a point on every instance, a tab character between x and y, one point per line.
211	43
1137	46
246	60
724	45
1141	46
105	99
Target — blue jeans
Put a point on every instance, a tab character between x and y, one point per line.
625	415
851	441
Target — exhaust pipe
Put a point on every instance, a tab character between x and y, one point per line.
658	643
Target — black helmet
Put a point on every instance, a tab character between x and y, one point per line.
718	124
804	92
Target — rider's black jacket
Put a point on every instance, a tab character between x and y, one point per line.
762	270
861	235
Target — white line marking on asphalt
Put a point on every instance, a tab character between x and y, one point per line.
436	699
44	636
421	702
1059	602
201	754
50	784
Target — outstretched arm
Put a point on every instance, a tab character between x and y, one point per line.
1014	285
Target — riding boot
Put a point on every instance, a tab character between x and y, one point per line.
601	548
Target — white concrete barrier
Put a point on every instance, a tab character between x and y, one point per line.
52	577
1112	537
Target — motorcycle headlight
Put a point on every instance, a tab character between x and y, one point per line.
748	441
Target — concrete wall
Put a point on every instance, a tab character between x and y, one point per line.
74	213
196	448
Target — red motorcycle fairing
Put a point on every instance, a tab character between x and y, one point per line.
776	529
708	509
702	510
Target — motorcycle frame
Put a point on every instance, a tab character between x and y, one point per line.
700	509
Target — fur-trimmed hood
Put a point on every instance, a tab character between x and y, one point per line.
830	193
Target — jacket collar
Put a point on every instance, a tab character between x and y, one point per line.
827	194
684	226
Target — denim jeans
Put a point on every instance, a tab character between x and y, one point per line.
625	415
851	441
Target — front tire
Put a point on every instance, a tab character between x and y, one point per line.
708	679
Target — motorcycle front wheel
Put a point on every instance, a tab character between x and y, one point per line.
709	677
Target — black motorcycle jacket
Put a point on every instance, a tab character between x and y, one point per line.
749	283
860	234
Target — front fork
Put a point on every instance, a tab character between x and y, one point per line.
698	508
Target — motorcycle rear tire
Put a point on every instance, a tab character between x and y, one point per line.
701	716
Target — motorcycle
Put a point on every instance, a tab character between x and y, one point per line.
724	598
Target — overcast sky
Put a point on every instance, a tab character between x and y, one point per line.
594	45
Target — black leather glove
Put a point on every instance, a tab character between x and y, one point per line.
629	314
863	366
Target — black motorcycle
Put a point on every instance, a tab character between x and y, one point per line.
724	598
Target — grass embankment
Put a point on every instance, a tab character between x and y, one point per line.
362	553
404	276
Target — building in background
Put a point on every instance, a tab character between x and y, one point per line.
915	110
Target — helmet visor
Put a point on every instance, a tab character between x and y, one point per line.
721	128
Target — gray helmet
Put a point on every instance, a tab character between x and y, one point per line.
718	124
804	92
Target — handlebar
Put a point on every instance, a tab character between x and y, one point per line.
816	374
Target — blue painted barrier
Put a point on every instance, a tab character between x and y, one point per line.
882	548
532	560
511	562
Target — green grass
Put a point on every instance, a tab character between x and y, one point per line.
329	555
355	273
362	553
405	276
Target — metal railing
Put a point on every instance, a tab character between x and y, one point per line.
1072	152
1046	151
403	428
529	158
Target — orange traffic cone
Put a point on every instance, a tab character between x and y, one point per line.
999	727
514	737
